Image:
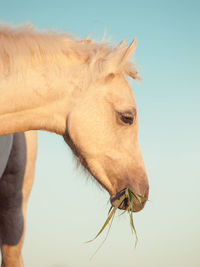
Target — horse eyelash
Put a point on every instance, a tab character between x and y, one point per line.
126	117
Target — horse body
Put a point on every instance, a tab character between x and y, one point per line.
6	142
78	90
15	186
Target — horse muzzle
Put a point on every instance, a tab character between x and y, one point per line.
138	201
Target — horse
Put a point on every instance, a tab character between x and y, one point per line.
75	88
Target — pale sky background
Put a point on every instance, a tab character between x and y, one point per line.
65	208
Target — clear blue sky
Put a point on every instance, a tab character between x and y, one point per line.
168	100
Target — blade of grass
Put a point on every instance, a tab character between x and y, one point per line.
130	195
110	210
142	197
122	212
110	224
109	217
139	201
133	227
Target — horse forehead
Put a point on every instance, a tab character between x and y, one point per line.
121	92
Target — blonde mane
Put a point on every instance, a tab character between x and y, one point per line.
37	47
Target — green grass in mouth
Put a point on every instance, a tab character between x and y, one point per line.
128	195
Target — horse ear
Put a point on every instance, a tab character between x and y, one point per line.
122	55
129	51
122	44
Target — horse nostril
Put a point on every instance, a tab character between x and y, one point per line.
126	203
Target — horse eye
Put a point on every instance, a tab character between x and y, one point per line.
126	118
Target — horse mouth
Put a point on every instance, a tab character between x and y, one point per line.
137	203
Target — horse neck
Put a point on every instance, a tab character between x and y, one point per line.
36	98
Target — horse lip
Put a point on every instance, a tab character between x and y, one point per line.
118	195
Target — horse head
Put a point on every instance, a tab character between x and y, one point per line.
102	127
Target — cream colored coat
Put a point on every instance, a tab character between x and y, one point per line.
76	89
